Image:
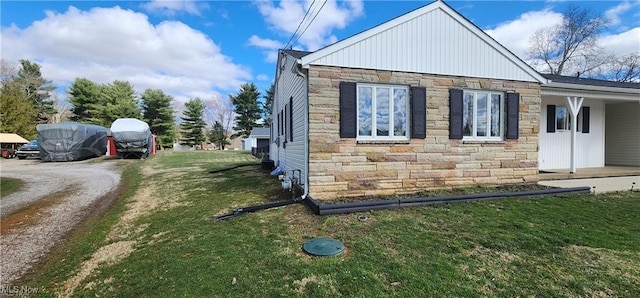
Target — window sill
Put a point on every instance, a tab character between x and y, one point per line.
383	141
497	142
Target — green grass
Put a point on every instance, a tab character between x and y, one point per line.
565	246
9	185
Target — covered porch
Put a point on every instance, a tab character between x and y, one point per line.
588	128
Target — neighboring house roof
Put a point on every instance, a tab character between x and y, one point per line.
431	39
12	138
260	132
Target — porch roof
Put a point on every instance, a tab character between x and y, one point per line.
590	88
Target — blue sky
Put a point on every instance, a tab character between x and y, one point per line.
207	49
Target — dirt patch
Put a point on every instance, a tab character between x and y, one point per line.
107	255
32	214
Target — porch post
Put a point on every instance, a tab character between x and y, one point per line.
575	103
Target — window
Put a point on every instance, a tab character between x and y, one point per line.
382	112
482	115
563	121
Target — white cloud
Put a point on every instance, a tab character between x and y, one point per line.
287	15
269	47
623	43
515	34
613	14
173	7
106	44
262	77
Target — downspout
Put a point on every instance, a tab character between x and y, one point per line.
306	131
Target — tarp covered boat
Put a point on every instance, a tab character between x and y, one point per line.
132	137
69	141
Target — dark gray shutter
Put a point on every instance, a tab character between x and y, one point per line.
418	104
513	115
348	110
279	124
551	118
585	119
455	114
291	119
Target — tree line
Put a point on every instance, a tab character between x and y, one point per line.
28	99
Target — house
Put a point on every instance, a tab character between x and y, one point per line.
426	100
258	140
607	124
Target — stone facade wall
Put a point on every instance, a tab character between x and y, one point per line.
345	168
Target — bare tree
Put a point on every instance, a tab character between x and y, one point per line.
571	46
8	71
63	108
622	69
220	110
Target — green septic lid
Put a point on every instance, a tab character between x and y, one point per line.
323	247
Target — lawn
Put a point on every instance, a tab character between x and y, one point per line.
160	239
9	185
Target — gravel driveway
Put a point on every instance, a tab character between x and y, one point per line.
64	193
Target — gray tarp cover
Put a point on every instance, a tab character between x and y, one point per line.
69	141
131	135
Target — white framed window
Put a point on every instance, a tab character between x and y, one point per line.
383	112
483	115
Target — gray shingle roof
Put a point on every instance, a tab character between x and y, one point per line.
590	82
297	54
259	132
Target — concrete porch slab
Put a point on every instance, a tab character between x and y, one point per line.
599	185
581	173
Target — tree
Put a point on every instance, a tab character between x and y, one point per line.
62	107
17	113
247	109
84	95
36	89
570	47
621	69
158	113
192	124
266	106
220	110
218	135
118	101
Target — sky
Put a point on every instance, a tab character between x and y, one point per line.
207	49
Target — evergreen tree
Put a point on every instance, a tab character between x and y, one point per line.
158	113
17	113
84	95
192	123
118	101
36	89
266	106
247	109
218	136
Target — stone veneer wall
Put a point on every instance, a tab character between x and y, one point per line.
344	168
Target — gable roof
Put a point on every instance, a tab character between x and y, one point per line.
260	132
431	39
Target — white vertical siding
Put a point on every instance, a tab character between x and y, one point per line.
434	42
623	134
555	148
292	156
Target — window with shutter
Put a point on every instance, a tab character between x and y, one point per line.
483	115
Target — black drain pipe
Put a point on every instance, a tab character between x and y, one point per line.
244	210
325	209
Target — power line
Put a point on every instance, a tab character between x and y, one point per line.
314	17
300	24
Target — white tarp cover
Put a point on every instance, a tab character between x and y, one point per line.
70	141
131	135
